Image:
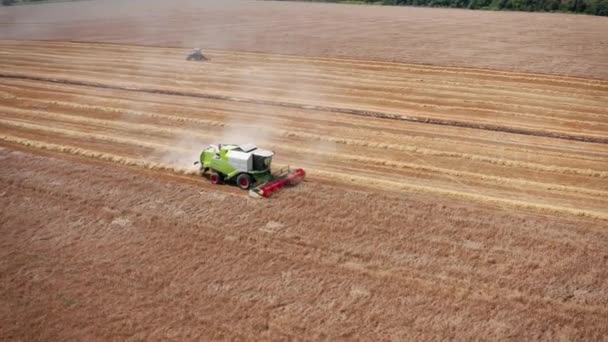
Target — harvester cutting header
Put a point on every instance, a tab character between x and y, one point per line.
248	167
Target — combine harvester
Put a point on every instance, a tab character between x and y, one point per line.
197	55
248	167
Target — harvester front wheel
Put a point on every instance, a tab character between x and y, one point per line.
244	181
216	178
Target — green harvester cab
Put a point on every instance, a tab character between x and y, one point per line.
246	164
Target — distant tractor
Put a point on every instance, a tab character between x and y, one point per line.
196	55
247	166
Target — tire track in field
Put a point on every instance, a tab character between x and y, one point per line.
374	114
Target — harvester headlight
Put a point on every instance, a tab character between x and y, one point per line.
266	161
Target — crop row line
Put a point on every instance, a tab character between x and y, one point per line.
349	111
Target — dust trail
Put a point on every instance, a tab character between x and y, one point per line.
184	151
259	130
264	131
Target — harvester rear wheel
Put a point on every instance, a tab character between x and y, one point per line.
244	181
216	178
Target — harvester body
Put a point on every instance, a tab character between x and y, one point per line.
248	166
196	55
